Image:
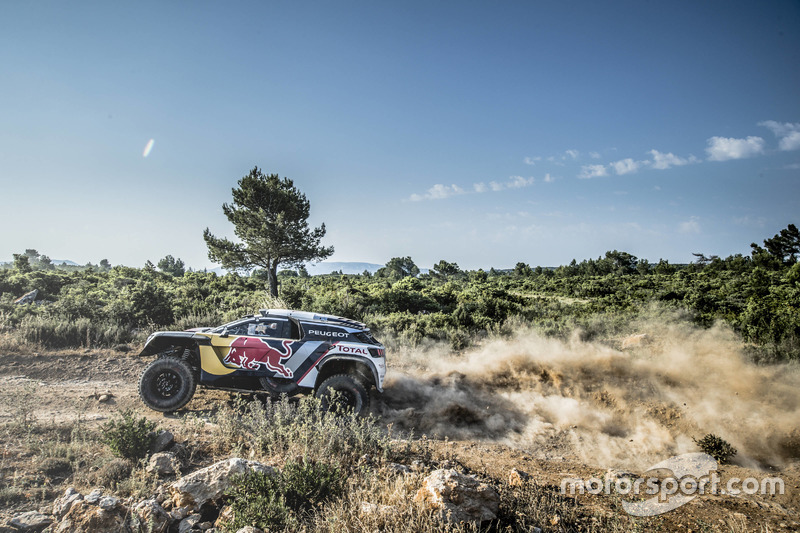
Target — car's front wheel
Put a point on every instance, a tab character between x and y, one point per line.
167	384
344	393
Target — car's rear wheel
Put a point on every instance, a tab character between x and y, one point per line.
167	384
343	393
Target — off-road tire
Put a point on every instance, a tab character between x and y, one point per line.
167	384
352	395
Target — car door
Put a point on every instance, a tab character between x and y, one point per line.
261	346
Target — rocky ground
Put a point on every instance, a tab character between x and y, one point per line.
94	386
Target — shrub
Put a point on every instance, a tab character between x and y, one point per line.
280	500
716	447
128	436
292	428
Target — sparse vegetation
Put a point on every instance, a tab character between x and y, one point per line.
287	428
128	435
716	447
283	499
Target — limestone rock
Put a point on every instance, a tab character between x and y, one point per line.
188	523
152	518
61	505
31	521
93	497
108	503
458	497
164	464
211	482
397	468
84	517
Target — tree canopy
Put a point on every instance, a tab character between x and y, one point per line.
398	268
270	218
171	266
784	246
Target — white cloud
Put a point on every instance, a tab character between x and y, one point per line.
725	148
625	166
573	153
662	161
548	178
690	226
594	155
788	133
480	187
593	171
514	182
531	160
517	182
438	192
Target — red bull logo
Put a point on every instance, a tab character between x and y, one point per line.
250	353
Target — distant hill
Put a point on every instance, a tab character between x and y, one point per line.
54	261
326	267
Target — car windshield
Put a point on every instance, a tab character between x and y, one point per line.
229	326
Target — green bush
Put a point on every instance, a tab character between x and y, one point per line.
716	447
279	500
257	500
129	436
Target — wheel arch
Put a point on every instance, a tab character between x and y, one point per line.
367	373
160	343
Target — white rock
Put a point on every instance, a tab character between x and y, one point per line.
210	483
93	497
108	502
31	521
459	498
164	464
398	468
61	505
151	516
188	523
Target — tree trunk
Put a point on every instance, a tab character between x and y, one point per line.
272	276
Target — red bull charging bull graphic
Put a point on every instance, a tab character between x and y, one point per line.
250	353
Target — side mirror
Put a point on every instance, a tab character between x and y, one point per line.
224	333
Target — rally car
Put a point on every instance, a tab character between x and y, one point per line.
275	352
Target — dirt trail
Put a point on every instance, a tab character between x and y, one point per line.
59	387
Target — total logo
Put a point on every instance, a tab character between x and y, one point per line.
327	333
352	350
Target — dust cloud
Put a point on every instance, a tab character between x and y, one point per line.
625	403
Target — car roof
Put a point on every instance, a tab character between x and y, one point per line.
306	316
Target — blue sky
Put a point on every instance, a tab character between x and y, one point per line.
483	133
